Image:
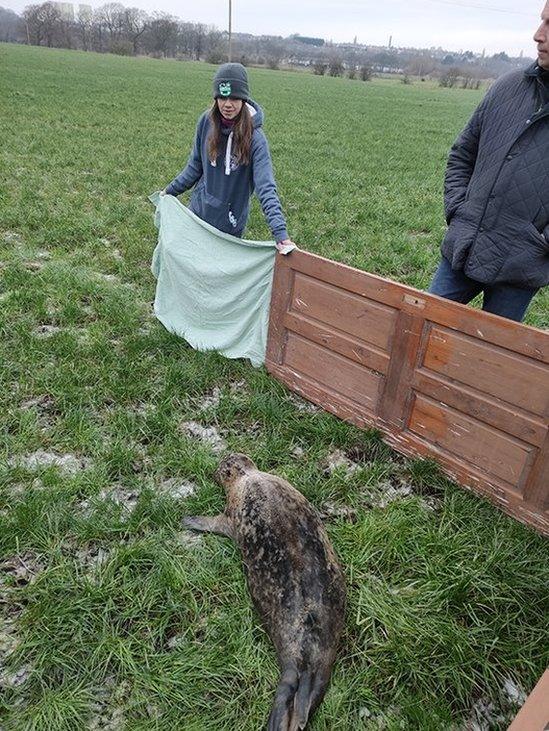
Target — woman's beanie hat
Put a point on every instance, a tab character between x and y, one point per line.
231	79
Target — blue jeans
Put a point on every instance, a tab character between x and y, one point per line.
505	300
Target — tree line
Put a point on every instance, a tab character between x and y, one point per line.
113	28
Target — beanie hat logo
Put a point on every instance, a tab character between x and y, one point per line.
225	88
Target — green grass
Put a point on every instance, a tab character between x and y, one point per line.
114	616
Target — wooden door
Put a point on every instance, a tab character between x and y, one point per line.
439	379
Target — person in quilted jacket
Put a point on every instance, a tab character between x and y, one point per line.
496	194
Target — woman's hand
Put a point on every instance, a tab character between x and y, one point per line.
284	247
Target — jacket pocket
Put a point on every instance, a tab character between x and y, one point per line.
212	210
454	211
527	261
544	241
459	235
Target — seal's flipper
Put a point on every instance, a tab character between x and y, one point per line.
320	685
302	702
279	720
209	524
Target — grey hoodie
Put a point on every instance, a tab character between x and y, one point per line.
223	189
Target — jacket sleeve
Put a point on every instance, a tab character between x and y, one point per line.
461	163
265	186
192	172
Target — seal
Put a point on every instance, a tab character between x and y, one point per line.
294	579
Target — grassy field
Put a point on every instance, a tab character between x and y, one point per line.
111	616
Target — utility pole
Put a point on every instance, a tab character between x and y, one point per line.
230	30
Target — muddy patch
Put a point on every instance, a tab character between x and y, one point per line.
303	405
142	408
44	402
82	335
12	237
110	278
38	262
338	460
514	693
108	706
381	720
124	498
484	716
209	400
9	639
176	642
34	265
46	331
146	329
212	399
45	409
113	279
207	435
92	557
430	503
18	488
69	464
398	487
330	509
388	491
19	570
188	538
176	488
15	678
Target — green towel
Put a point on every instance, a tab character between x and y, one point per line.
212	289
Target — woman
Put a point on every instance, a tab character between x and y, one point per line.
230	160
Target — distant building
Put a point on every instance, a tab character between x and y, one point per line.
85	12
66	10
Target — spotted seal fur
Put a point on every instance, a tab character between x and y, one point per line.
294	579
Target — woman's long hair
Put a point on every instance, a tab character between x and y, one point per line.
242	134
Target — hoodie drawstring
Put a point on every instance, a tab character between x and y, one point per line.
228	154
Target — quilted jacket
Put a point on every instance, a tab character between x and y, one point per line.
497	186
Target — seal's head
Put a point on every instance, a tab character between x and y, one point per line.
231	468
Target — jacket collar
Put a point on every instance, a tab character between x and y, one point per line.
533	71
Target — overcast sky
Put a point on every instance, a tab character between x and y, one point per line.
496	25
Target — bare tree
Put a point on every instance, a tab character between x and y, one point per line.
136	23
335	67
111	18
162	31
52	22
421	66
34	24
42	22
12	27
450	78
319	67
217	47
84	30
185	38
199	40
116	28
